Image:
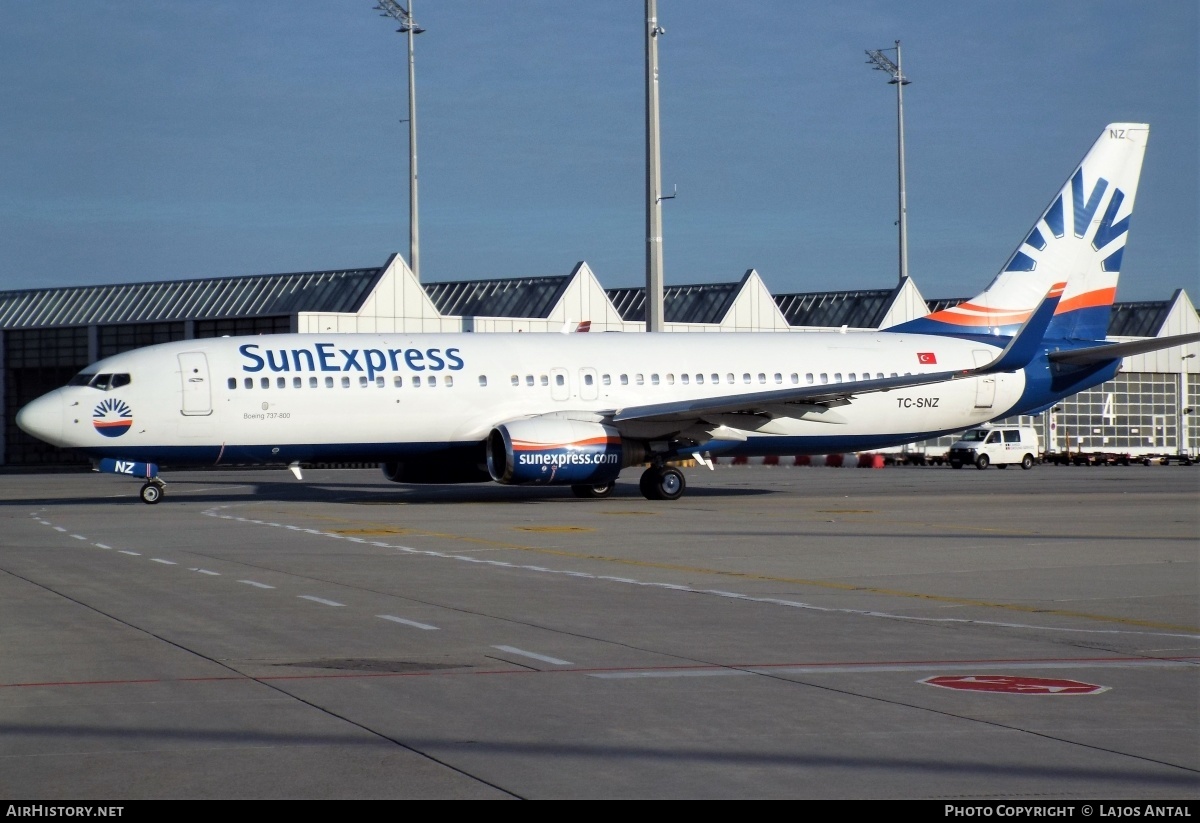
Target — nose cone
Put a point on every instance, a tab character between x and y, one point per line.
43	418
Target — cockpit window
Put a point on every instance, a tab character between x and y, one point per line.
103	382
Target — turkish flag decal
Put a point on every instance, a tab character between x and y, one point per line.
926	357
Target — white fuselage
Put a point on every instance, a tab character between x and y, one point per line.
309	397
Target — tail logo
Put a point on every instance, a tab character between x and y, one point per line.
112	418
1083	208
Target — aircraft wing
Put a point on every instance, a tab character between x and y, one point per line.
776	403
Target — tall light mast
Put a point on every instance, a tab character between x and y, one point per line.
883	63
408	26
654	198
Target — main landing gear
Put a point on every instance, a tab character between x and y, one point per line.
662	483
657	483
594	492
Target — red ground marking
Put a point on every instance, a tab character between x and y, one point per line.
1007	684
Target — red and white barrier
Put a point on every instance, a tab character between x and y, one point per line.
866	460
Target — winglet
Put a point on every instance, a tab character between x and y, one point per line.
1025	344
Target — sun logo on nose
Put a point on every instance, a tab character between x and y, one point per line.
112	418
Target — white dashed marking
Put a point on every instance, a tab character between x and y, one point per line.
552	660
319	600
412	623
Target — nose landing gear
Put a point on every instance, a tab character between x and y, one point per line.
153	490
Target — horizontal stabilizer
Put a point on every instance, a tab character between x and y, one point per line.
1114	351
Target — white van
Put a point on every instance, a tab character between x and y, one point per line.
995	446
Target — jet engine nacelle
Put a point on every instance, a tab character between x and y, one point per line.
552	451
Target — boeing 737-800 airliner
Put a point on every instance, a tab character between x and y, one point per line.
576	409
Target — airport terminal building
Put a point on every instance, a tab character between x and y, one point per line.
48	335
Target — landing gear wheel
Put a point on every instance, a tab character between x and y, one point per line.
594	492
982	462
662	483
152	492
1027	462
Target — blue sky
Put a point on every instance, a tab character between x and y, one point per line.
156	139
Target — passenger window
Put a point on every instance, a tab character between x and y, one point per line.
639	379
624	380
448	380
345	382
606	379
729	378
837	377
762	378
808	378
380	382
716	378
329	382
516	381
248	382
824	378
281	382
265	382
778	377
654	379
397	381
482	379
545	380
851	377
312	382
297	382
795	379
560	380
416	381
670	380
529	380
746	377
699	380
232	383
